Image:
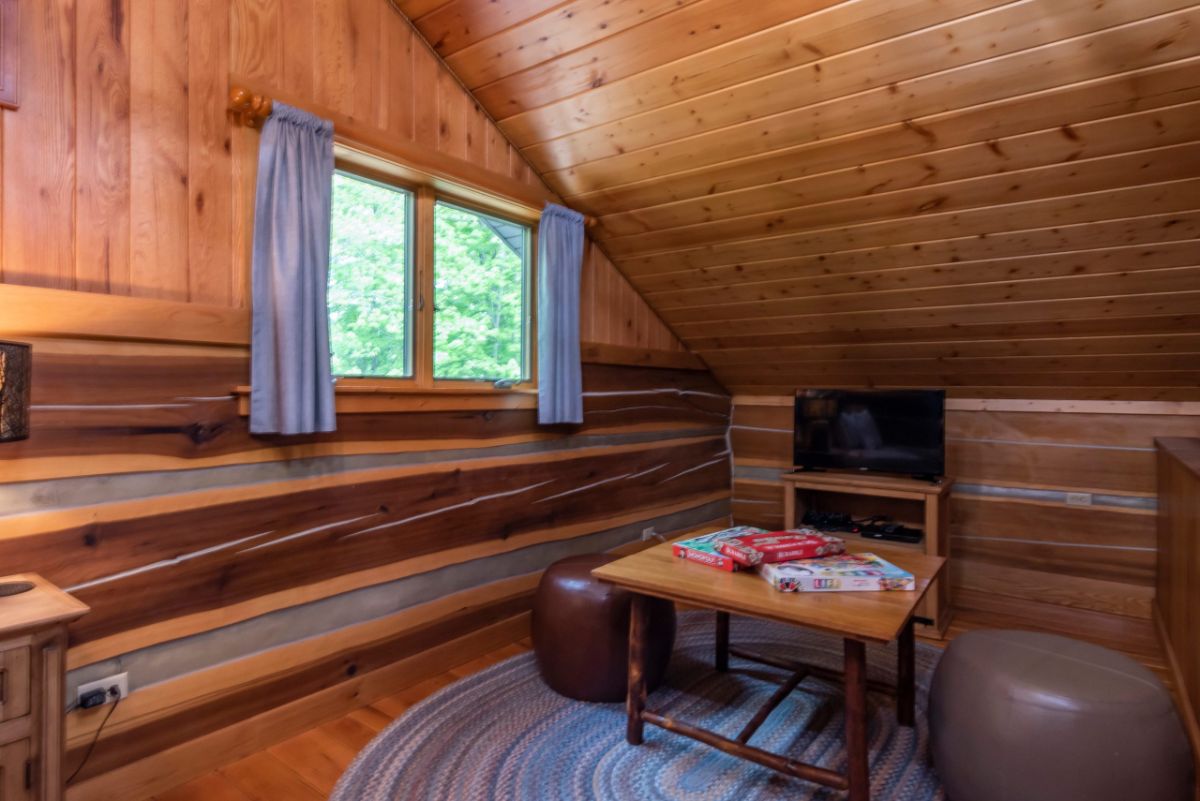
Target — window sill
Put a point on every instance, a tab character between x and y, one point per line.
363	397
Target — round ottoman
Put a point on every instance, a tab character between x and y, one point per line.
1035	717
581	632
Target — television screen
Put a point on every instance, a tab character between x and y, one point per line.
891	431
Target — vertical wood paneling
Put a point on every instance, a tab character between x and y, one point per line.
398	83
103	147
453	108
612	310
426	116
210	167
477	141
298	43
364	29
159	207
258	37
39	152
122	175
333	56
244	146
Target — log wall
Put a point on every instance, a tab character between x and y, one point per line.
198	546
1053	511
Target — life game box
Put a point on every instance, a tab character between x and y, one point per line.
862	572
705	549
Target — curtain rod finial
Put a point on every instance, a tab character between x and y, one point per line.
248	108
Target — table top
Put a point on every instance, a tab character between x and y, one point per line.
43	605
868	616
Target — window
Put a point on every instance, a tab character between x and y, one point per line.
431	289
370	278
480	273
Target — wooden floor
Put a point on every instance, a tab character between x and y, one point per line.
306	767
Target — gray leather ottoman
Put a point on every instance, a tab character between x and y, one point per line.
1020	716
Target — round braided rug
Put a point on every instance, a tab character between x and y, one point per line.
502	735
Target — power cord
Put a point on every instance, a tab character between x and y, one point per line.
116	694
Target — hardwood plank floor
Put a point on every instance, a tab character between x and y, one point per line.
306	767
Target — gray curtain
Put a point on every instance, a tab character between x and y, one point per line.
560	262
291	388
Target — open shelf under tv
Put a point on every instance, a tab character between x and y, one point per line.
912	502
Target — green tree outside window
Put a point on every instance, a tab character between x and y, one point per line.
369	278
479	268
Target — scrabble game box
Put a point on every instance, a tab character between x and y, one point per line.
705	549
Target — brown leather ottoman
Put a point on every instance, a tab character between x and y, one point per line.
1021	716
581	632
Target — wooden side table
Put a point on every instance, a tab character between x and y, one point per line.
33	653
911	502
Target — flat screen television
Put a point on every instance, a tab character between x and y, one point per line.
890	431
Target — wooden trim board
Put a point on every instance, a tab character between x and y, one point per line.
1187	711
41	313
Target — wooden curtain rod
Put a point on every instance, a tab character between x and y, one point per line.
251	110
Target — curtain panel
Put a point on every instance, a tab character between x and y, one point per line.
291	387
560	262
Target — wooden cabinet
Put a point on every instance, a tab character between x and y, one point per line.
33	643
916	504
14	682
16	780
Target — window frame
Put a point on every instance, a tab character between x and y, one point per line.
426	191
528	316
410	267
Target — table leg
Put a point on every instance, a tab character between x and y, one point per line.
857	766
635	699
722	656
906	676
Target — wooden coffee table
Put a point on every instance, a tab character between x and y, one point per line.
857	617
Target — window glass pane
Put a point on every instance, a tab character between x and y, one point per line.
369	278
480	295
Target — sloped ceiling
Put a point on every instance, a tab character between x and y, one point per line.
1002	198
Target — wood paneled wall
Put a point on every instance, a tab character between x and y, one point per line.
1018	537
142	492
266	579
120	173
998	197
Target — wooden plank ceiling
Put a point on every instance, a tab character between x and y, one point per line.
1002	198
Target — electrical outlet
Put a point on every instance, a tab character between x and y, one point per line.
120	681
1079	498
649	534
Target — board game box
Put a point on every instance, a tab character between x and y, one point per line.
862	572
705	549
751	550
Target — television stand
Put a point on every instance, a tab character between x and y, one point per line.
914	502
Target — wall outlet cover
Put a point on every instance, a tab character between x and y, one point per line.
119	680
1079	498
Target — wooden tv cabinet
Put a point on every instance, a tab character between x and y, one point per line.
908	501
